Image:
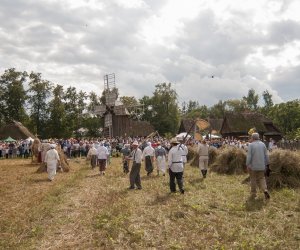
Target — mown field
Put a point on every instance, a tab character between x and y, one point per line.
82	210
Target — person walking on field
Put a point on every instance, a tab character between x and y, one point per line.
134	176
257	159
52	159
102	153
203	157
176	167
160	155
148	155
125	157
92	156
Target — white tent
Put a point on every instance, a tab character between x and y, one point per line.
183	135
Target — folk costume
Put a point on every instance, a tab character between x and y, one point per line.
125	157
176	167
102	153
148	155
203	157
160	155
134	176
92	155
51	159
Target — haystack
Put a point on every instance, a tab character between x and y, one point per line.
285	169
63	162
230	160
35	150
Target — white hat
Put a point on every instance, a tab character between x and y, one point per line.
52	145
174	141
135	143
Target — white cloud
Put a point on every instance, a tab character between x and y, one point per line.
243	44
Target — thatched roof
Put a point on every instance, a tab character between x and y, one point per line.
243	122
16	130
189	125
186	125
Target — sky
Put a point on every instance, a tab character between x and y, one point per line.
243	44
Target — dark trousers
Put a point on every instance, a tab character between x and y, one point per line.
125	166
134	175
179	178
148	164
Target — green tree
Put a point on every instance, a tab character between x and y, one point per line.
165	109
251	99
286	116
201	112
218	110
38	98
57	125
93	101
13	95
236	105
71	108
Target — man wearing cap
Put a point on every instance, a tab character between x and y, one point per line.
257	159
52	159
176	166
148	155
134	176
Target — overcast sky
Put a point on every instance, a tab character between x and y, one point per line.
242	43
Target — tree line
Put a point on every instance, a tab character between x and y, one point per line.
51	111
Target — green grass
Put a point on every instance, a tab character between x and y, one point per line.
88	211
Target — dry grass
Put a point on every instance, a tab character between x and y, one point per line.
285	166
82	210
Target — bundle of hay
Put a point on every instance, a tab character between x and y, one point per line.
230	160
192	152
285	169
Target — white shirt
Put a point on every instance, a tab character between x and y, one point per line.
51	155
175	161
102	152
137	155
92	151
184	151
203	149
148	151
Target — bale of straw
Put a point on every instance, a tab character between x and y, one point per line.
192	151
285	169
230	160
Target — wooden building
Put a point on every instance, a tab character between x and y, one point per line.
188	125
16	130
237	125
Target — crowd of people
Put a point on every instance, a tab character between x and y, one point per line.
157	153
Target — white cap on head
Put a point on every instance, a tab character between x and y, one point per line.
135	143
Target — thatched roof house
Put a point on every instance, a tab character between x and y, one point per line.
16	130
237	125
187	125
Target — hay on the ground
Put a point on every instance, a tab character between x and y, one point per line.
230	160
285	169
192	151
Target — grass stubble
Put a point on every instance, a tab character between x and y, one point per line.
82	210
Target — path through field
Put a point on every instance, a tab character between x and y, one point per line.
83	210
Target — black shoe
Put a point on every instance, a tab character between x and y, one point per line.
139	188
267	195
182	191
131	188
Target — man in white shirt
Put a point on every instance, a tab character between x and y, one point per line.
148	155
136	157
52	159
176	166
102	153
203	157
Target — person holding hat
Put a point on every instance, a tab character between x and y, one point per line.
134	176
176	167
52	160
257	160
